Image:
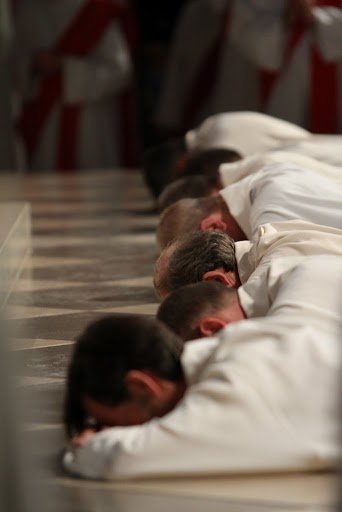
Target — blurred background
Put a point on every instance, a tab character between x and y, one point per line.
91	84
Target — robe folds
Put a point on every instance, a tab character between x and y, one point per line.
266	398
280	192
278	248
252	132
90	81
235	171
244	132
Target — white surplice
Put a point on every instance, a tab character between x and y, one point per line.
280	192
92	82
260	32
267	399
252	132
244	132
232	172
278	248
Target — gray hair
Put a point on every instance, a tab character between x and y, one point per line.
193	256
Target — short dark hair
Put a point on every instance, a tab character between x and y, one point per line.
184	307
189	186
160	164
207	162
106	351
200	252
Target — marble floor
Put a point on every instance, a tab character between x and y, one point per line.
93	252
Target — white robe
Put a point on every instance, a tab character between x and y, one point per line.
252	132
187	53
278	248
245	132
232	172
283	192
92	82
266	400
260	33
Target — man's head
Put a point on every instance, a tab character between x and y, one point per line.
163	164
189	186
207	162
200	309
202	256
190	215
124	371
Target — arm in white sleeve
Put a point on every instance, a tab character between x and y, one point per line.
328	31
258	30
105	72
237	417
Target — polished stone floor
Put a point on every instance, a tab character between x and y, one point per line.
93	252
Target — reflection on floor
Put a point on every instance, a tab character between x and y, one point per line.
93	253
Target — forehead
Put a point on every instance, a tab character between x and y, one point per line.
106	414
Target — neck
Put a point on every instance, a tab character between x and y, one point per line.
173	393
233	228
236	310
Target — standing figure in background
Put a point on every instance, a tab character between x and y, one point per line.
297	46
72	67
207	72
7	160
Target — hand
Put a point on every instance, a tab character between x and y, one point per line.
47	63
83	437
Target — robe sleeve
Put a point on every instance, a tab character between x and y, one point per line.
258	30
328	32
250	410
107	71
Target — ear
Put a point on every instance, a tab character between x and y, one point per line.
221	276
142	386
213	222
210	325
214	192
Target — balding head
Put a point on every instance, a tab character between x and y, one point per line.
203	255
185	217
187	187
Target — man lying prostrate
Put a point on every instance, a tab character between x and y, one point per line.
229	136
204	308
200	309
247	408
220	138
277	192
210	183
214	256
